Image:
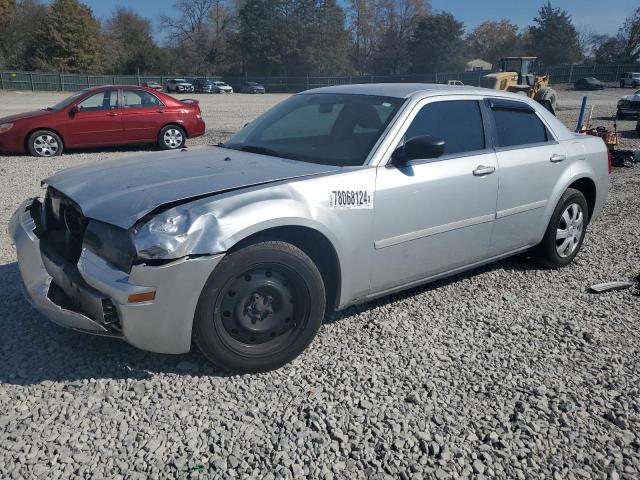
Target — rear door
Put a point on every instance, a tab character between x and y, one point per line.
530	161
436	215
97	121
143	115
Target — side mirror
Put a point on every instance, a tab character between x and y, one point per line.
73	110
419	148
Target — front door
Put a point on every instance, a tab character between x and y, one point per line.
96	121
436	215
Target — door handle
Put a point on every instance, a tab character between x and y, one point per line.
160	110
555	158
112	114
481	171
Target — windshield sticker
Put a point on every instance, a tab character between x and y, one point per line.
351	199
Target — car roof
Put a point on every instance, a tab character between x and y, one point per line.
108	87
407	90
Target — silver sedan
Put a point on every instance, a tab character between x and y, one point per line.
331	198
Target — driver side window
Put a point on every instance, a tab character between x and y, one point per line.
457	122
106	100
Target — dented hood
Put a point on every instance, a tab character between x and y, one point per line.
122	191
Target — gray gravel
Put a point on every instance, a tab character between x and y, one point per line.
509	371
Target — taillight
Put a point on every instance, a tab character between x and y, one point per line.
610	160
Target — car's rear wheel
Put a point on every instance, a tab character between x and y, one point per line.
45	143
172	137
564	236
260	308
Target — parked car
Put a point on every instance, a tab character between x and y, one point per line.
179	85
454	82
221	87
630	79
253	88
203	85
588	83
629	106
153	85
353	192
103	116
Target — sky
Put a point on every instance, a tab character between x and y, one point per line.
599	16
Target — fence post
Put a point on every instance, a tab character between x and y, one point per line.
570	73
436	77
1	81
88	83
617	73
61	82
31	81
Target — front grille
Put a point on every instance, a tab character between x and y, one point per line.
64	225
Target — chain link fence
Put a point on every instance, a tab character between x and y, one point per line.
61	82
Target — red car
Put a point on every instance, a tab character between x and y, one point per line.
103	116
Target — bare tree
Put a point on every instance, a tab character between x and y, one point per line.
395	21
191	32
630	34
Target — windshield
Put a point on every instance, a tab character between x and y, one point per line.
67	101
329	129
221	84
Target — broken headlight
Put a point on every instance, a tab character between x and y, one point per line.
167	236
110	243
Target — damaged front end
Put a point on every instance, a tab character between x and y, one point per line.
86	275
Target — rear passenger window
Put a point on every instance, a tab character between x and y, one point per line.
140	99
519	127
457	122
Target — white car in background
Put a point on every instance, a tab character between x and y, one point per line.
179	85
629	106
221	87
630	79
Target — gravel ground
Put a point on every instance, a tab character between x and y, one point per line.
509	371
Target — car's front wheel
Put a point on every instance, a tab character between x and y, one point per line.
172	137
45	143
564	236
260	308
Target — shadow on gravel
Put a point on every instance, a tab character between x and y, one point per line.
516	263
34	350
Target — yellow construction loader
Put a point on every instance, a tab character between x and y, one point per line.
514	76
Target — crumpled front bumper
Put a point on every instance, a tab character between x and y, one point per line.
84	298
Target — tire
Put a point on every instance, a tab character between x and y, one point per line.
172	137
260	308
621	84
45	143
620	115
566	231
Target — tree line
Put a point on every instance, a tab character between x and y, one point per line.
290	37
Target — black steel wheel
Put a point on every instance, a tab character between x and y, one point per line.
260	308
